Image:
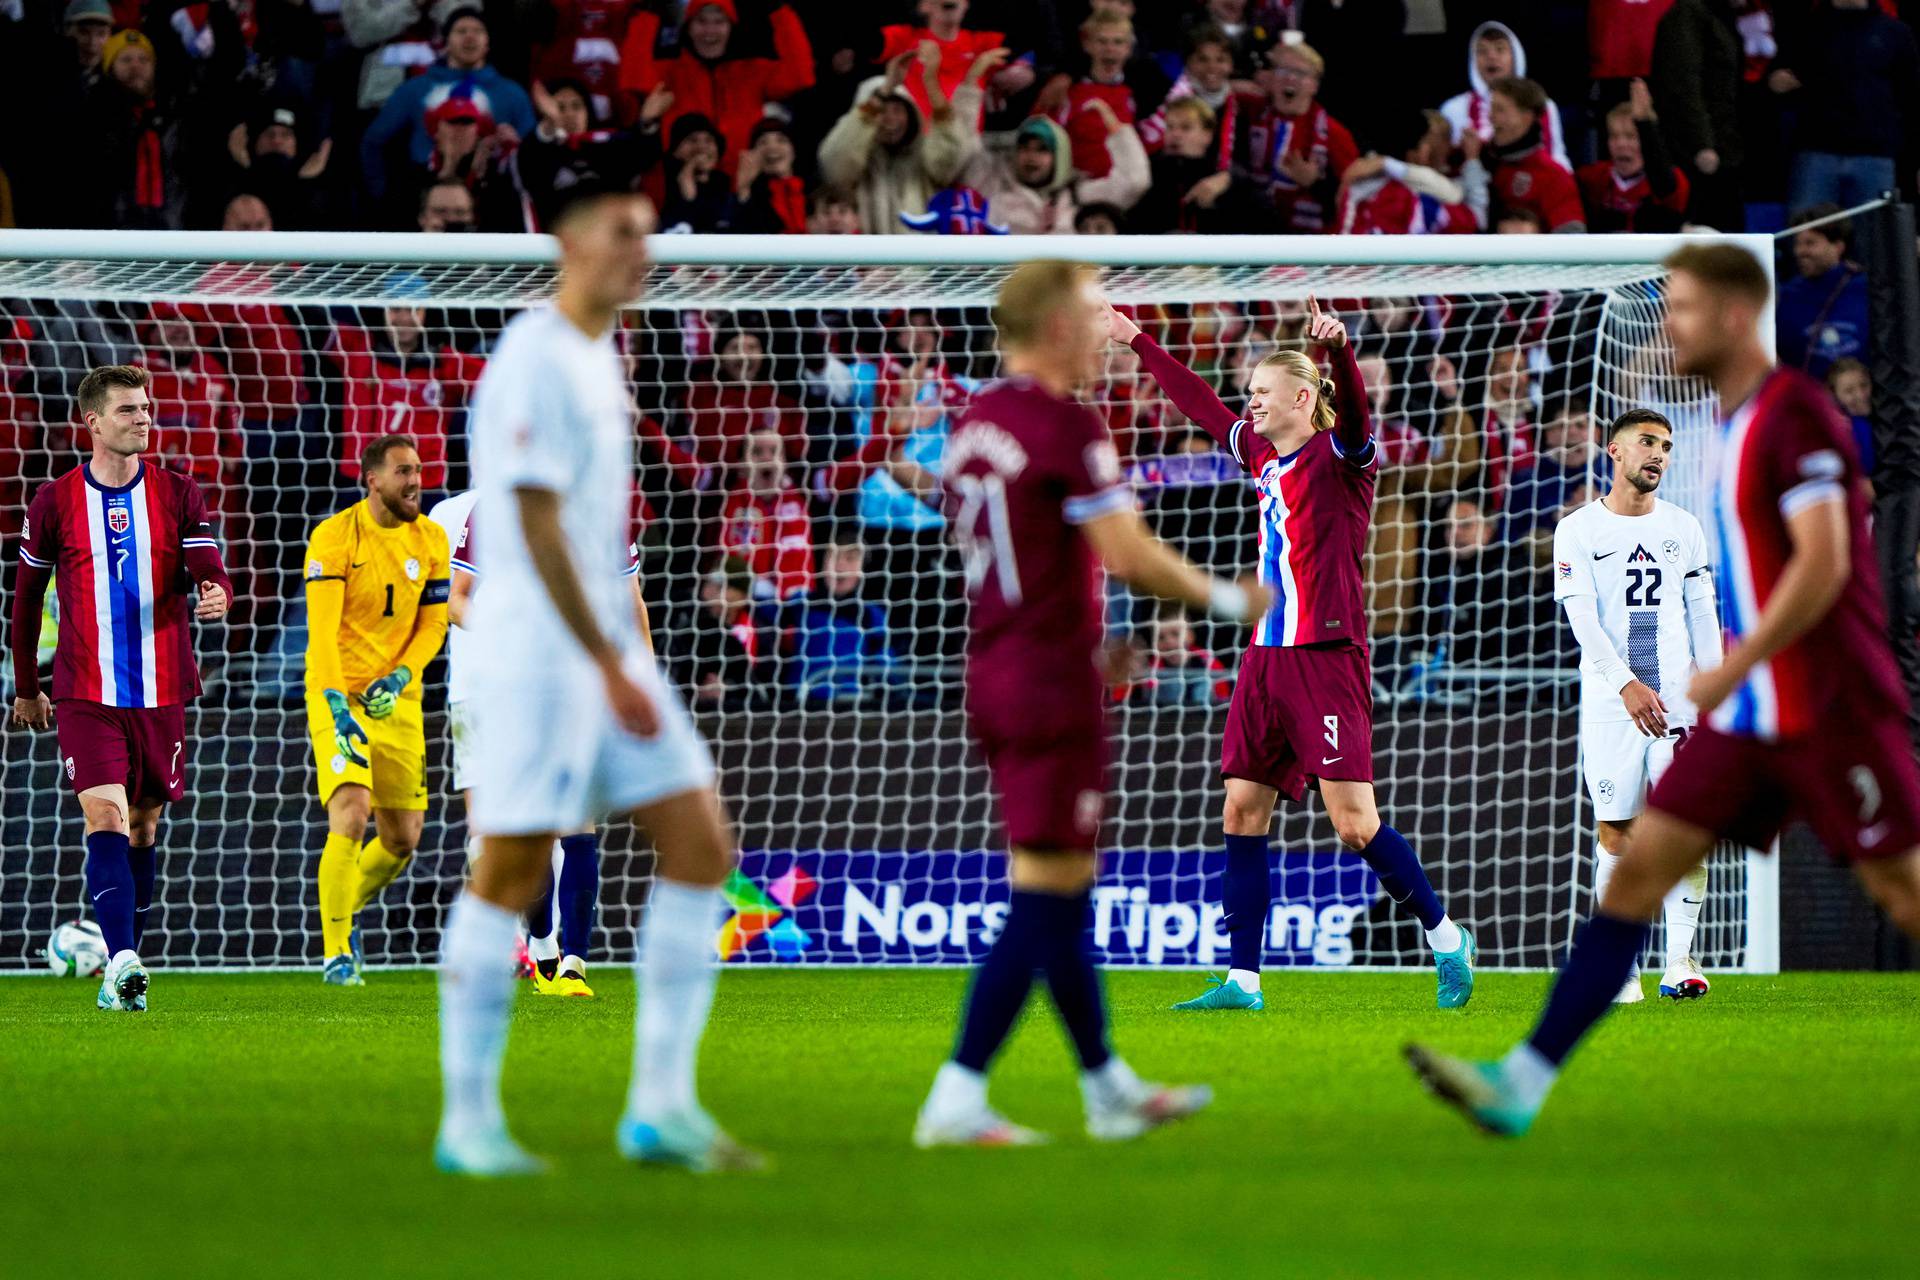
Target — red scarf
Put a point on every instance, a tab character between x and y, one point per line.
149	164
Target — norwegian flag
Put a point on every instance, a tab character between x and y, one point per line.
956	211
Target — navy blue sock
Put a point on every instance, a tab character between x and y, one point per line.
141	863
578	891
1602	957
110	885
539	916
1067	958
1402	876
1246	891
1000	985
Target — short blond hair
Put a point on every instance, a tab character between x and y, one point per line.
1197	109
1308	54
99	385
1300	366
1031	295
1104	19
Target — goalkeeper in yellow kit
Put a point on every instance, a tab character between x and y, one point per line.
376	580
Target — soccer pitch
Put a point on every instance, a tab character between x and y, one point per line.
265	1125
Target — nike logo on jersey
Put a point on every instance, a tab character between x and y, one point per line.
1332	760
1602	556
357	564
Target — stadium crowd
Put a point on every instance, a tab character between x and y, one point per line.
794	456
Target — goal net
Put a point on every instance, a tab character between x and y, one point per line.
794	397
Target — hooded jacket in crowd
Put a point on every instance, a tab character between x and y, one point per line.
1468	110
1050	209
888	181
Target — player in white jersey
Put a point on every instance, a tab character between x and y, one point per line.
560	922
573	721
1635	579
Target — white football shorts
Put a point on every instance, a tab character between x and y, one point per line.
1622	764
547	756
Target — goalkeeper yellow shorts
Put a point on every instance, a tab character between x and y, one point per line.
396	752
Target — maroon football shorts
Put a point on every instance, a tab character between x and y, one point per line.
1046	748
1854	783
142	748
1300	713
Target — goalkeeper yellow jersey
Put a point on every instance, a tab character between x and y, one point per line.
391	575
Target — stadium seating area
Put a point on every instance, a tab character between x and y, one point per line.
794	449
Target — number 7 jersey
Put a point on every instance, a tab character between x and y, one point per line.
1635	568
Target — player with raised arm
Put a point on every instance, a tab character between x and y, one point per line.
1806	717
132	552
1636	581
560	921
1037	503
376	614
572	720
1302	709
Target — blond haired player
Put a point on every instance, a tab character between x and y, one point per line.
376	614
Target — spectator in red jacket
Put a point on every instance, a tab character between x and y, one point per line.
707	79
1637	188
1290	145
737	397
583	44
941	22
1108	40
401	379
764	520
196	423
1524	173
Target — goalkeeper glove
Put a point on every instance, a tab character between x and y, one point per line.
383	695
345	727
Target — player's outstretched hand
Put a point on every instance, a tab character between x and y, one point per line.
213	602
1324	327
1644	705
1711	688
1120	327
632	709
35	712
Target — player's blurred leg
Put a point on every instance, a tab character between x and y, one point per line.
543	941
1603	863
956	1112
337	874
476	1000
141	864
110	886
1683	979
1246	891
675	971
1503	1097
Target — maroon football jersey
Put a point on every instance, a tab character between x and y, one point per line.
1022	470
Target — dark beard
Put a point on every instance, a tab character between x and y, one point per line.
1642	485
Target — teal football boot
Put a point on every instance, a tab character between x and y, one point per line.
339	972
1225	993
1477	1090
690	1141
1455	970
485	1155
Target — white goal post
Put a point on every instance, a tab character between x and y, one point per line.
816	631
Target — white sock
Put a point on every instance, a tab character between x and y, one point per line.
547	948
476	996
1530	1075
1249	980
1603	865
675	973
1113	1084
956	1090
1683	913
1445	938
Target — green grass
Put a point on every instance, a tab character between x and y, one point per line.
267	1126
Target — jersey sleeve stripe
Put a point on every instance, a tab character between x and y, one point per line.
1233	441
34	560
1808	494
464	566
1094	505
200	542
1360	457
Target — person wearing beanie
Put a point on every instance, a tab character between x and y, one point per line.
130	127
1037	191
705	74
462	72
699	195
772	199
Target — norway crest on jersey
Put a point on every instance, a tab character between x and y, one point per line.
412	568
118	520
